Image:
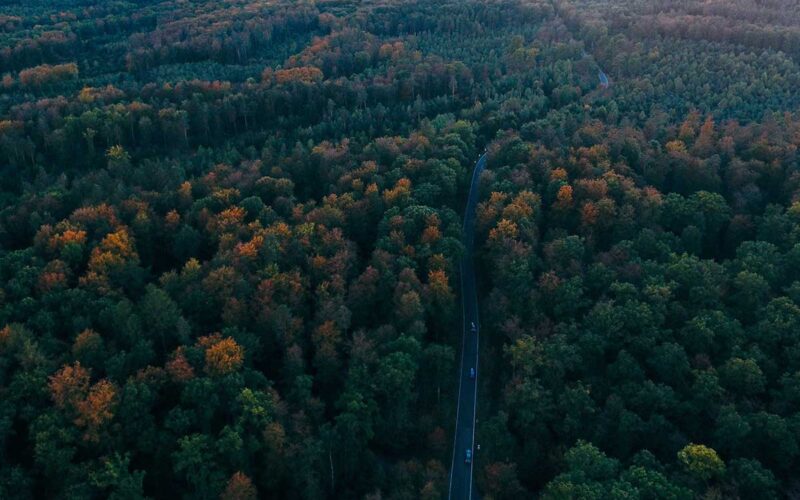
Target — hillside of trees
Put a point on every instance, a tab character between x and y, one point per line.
230	235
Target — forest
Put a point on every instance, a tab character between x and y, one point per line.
230	236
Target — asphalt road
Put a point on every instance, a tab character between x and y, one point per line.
604	82
461	483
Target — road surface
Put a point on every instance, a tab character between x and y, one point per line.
461	473
601	75
603	79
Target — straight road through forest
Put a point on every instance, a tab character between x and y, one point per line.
461	472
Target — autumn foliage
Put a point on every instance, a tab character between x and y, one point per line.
222	355
231	235
46	74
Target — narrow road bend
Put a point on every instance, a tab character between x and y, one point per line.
461	482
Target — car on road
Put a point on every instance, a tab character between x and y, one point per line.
472	373
473	328
468	456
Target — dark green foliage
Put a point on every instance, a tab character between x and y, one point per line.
230	241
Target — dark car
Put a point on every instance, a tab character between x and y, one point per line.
468	457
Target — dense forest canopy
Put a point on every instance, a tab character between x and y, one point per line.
230	235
